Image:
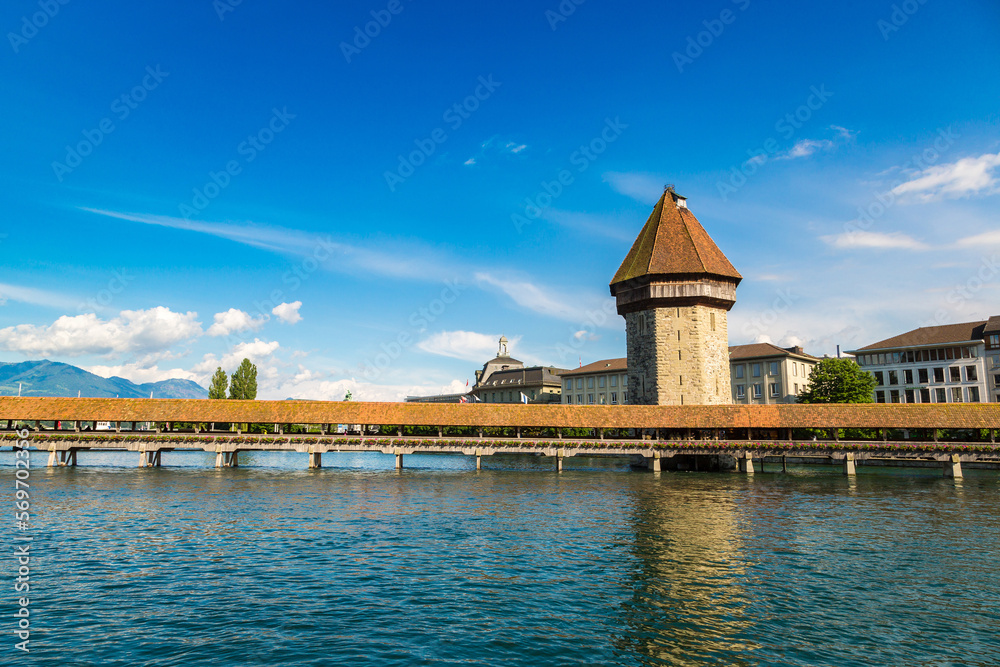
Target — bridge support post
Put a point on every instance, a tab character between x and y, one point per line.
143	458
219	459
399	460
479	459
559	459
784	463
849	469
315	458
746	463
953	467
155	458
52	456
654	462
559	433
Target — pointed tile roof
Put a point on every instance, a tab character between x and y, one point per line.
674	242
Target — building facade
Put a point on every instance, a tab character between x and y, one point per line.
603	382
674	289
953	363
504	379
763	373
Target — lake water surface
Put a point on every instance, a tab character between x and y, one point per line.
357	564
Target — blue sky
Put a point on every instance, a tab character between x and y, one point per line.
183	186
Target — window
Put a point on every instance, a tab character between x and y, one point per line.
602	398
712	320
973	394
756	370
579	399
757	391
624	397
600	382
614	380
569	385
590	383
774	368
910	397
739	372
579	383
993	340
893	377
922	375
879	378
970	374
590	399
795	369
614	397
940	396
775	389
996	380
908	377
939	376
796	388
894	396
955	374
569	398
741	391
880	397
925	395
956	395
624	380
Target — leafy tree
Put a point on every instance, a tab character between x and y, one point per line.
348	396
220	382
244	382
838	381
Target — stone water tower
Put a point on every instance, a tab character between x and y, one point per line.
675	289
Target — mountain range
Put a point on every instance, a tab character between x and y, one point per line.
52	378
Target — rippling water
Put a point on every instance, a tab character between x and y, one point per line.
356	564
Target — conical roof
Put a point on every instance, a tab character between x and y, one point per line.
673	242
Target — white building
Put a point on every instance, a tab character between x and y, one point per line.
603	382
762	373
953	363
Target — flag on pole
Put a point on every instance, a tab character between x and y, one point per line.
466	383
524	399
463	399
476	398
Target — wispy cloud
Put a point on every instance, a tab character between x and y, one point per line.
412	263
643	187
576	307
35	296
986	239
465	345
859	239
966	177
806	147
496	146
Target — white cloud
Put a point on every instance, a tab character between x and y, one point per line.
578	307
258	351
471	161
861	239
968	176
466	345
644	188
495	146
980	240
806	147
234	321
288	312
133	331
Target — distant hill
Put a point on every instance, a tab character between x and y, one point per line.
51	378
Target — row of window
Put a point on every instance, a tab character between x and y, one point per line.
756	389
506	396
940	395
602	398
611	380
923	375
917	356
773	368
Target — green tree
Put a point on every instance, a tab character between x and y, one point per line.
348	396
838	381
220	382
244	382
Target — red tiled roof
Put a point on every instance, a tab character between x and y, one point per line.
673	242
604	365
960	415
940	335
